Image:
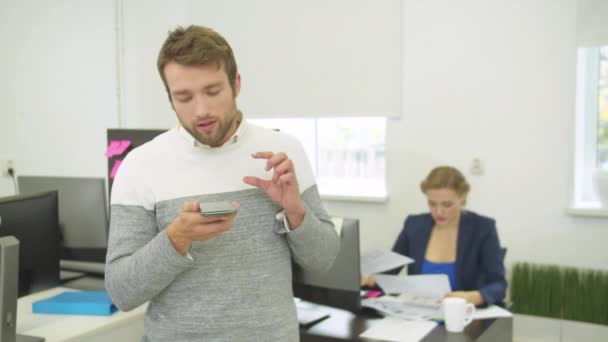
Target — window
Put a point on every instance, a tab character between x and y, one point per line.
346	154
602	131
591	122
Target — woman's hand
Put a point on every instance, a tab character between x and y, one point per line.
368	281
473	297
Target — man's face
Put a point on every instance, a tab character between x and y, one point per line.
203	99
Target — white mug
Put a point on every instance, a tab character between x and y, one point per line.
457	313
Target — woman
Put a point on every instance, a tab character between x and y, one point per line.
452	241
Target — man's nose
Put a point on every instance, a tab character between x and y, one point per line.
201	107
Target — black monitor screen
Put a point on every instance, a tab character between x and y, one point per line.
34	220
83	214
340	286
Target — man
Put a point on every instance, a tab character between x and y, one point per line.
225	278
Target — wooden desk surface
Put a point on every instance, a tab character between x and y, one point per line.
346	326
68	327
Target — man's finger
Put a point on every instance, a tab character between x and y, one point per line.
253	181
257	182
262	155
191	206
287	178
278	174
285	166
213	219
275	160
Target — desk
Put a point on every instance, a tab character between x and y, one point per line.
345	326
120	326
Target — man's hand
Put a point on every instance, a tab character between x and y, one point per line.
283	187
190	226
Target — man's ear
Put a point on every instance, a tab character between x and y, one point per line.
236	86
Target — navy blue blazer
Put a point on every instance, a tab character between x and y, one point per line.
479	265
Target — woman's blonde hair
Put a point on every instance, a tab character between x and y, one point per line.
443	177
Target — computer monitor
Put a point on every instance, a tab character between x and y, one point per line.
83	214
340	286
33	219
9	266
9	278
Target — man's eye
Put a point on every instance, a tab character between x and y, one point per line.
213	93
184	99
447	205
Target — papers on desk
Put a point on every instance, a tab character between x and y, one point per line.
390	306
432	285
419	297
398	330
310	313
491	311
376	261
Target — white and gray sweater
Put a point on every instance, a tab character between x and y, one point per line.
235	287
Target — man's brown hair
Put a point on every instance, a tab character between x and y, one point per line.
196	45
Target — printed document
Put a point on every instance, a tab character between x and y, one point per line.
376	261
492	311
432	285
420	296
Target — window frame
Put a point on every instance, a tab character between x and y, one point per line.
584	199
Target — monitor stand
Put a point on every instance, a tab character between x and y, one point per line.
25	338
83	266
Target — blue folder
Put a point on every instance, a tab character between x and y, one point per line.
76	303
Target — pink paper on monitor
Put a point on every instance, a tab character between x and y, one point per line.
117	147
115	168
124	145
111	151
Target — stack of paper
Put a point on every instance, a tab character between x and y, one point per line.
76	303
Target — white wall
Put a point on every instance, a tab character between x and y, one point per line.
283	48
492	79
58	89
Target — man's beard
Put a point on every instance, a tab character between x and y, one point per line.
221	130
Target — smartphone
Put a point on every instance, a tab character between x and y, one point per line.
217	208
